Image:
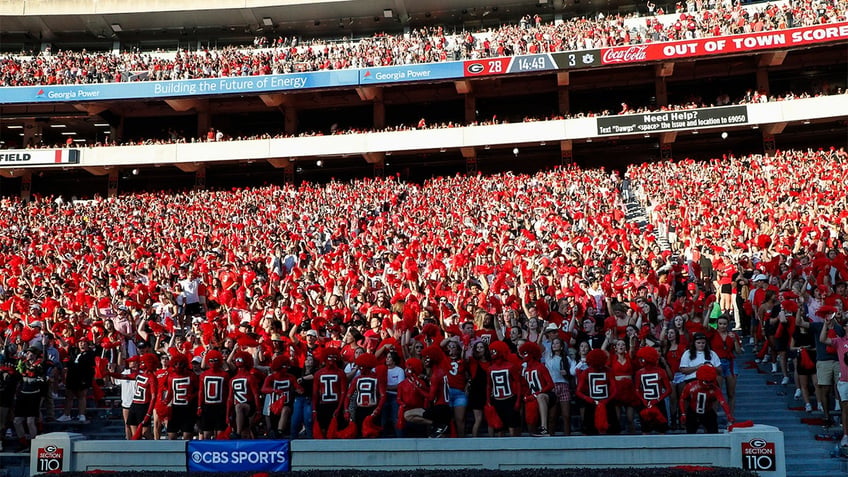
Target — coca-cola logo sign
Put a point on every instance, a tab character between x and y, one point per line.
625	55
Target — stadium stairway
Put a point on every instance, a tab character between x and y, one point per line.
104	422
636	213
761	398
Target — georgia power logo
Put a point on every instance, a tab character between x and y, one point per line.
196	457
475	68
40	93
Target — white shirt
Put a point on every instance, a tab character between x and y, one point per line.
393	377
685	362
128	387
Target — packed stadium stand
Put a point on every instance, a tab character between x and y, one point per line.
472	184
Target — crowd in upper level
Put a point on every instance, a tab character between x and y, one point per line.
424	45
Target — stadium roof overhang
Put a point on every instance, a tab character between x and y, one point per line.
126	21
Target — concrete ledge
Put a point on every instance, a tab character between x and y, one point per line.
724	450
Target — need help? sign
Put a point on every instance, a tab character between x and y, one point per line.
238	456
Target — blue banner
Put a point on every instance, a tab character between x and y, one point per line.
238	456
416	72
179	88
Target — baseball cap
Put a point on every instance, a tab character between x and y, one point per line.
312	333
760	277
551	327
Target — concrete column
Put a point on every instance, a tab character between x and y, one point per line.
471	165
762	80
769	145
379	112
290	125
32	134
112	188
564	100
380	167
661	91
204	122
470	108
26	185
566	151
200	178
288	173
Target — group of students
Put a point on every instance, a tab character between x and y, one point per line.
423	387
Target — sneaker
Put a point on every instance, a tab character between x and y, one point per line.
541	432
844	441
797	394
751	341
808	407
64	418
784	381
82	418
819	407
758	361
773	368
439	432
766	358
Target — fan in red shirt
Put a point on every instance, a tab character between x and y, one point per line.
458	380
597	386
540	386
653	387
412	394
328	388
243	401
279	386
182	386
504	387
144	399
438	396
697	403
214	387
367	392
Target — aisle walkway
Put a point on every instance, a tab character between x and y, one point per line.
773	404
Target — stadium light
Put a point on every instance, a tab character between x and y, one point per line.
724	135
388	13
267	21
15	126
116	27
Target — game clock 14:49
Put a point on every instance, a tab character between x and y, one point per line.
528	63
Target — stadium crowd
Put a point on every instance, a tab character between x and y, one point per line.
173	136
419	46
380	307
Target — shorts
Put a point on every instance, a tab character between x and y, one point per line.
827	372
781	344
27	405
552	398
182	419
137	414
802	371
440	414
458	398
842	388
506	411
728	367
325	412
213	417
562	391
726	289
